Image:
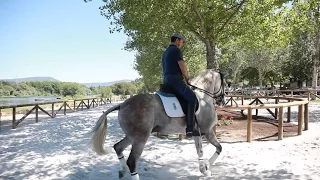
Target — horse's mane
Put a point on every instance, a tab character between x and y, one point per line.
204	79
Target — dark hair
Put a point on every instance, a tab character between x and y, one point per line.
173	39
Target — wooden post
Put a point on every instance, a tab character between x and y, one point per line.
37	112
13	117
88	104
82	105
242	103
231	101
180	137
276	109
291	93
280	124
65	108
300	119
74	105
308	95
289	115
306	116
249	125
52	109
257	110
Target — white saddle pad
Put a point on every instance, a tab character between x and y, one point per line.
172	106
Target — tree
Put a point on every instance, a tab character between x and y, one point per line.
304	18
210	23
148	60
207	20
233	59
106	92
72	89
140	85
298	65
124	88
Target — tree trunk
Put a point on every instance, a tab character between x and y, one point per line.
260	79
211	55
235	74
316	63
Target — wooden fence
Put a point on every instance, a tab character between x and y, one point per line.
72	105
303	111
285	93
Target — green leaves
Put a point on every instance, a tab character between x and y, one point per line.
249	33
124	88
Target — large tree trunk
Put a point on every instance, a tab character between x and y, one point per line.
211	55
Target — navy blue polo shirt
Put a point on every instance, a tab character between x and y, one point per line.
170	59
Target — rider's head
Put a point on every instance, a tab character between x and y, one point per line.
177	39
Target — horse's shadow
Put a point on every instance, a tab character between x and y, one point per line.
220	170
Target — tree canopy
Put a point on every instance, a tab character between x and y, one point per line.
266	37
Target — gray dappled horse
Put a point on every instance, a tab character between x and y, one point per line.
143	114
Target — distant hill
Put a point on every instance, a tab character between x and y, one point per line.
97	84
28	79
105	83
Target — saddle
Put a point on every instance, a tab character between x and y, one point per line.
174	105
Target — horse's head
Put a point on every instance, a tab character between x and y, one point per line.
213	84
219	84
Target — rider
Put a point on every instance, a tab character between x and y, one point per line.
174	69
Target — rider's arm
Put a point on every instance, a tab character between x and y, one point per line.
182	65
184	70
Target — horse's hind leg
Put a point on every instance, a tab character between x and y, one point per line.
211	137
132	162
204	165
119	148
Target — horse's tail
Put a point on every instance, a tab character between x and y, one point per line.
99	131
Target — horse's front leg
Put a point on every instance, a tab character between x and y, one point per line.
204	164
211	137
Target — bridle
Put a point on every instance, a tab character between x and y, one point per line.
213	95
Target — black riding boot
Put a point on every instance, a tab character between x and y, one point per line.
190	119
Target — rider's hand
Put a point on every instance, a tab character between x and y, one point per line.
188	82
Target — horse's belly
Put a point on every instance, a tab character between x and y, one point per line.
175	125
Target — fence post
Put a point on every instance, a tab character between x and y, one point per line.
276	109
300	119
249	125
52	109
65	108
37	113
13	117
306	116
280	124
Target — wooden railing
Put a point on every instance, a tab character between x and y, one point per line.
72	105
303	111
285	93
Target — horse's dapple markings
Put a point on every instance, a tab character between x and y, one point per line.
144	113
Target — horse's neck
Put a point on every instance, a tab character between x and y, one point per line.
201	81
204	81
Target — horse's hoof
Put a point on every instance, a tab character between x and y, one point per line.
207	173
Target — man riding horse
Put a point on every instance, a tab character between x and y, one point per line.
174	69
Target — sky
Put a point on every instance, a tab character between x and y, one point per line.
65	39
